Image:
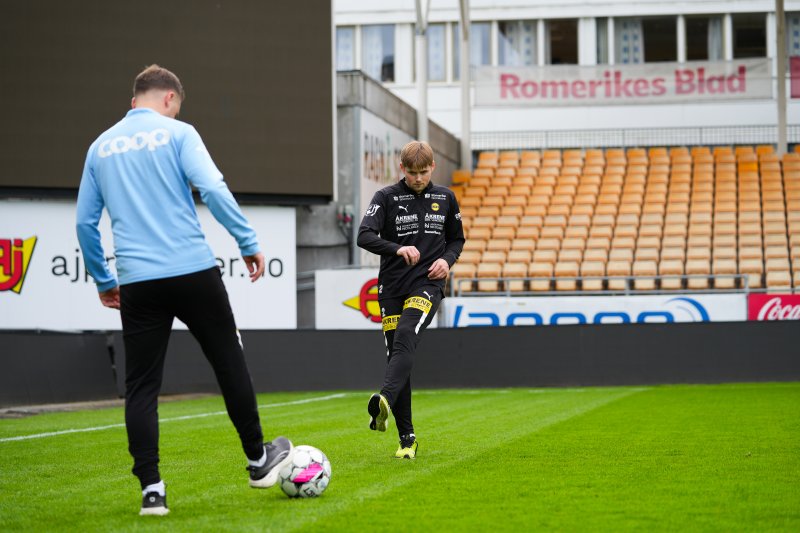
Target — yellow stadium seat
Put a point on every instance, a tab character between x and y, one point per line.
568	270
779	281
463	270
700	269
644	273
673	270
518	255
552	232
479	232
478	245
492	271
618	272
569	256
753	270
493	256
540	274
545	256
512	271
721	267
522	243
599	255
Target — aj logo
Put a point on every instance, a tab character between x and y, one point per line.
15	256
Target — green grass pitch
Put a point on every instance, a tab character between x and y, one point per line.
665	458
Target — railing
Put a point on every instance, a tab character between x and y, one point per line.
602	138
740	285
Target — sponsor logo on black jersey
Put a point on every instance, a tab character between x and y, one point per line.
403	197
430	217
406	219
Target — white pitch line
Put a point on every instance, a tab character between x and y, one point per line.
173	419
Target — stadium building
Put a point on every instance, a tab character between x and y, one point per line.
582	73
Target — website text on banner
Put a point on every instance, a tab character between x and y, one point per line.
44	283
650	83
774	307
565	310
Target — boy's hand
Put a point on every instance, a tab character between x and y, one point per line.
439	269
410	254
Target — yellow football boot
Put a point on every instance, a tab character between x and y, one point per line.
408	447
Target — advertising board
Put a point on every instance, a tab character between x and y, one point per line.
563	310
44	283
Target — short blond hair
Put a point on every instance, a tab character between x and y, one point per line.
416	155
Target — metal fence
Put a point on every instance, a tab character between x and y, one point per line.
608	138
456	286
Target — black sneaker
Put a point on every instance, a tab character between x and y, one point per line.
279	454
378	409
154	504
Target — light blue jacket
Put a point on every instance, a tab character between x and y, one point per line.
141	171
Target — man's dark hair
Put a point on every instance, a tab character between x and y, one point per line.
155	77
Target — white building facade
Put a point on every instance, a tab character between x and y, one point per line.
580	40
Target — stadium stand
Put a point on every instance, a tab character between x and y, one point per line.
636	219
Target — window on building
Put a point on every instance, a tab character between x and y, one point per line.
647	39
479	46
437	57
660	39
517	43
628	41
377	51
602	41
562	41
793	34
749	35
345	48
704	38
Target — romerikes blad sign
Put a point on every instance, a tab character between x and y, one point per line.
650	83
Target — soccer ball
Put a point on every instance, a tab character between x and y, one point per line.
308	475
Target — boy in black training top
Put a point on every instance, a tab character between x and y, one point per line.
415	226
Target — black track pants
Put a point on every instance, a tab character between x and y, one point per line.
200	301
404	320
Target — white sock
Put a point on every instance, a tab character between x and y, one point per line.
260	462
159	487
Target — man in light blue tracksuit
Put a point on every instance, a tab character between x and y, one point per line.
141	171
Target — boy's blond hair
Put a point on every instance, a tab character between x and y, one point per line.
416	155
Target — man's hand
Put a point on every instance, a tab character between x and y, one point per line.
255	265
110	298
439	269
410	254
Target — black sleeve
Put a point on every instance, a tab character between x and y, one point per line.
453	233
371	226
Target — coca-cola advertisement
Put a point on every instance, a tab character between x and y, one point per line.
774	307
